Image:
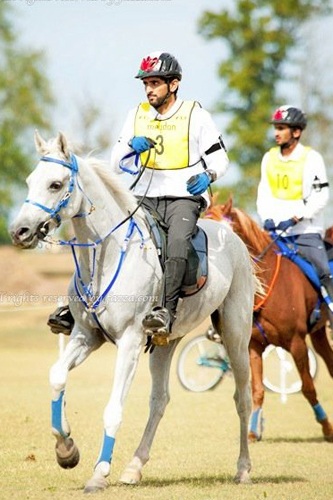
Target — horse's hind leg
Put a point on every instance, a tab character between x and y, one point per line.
323	347
160	362
76	351
235	329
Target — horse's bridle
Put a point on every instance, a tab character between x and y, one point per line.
54	212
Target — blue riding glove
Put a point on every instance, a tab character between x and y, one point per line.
140	144
286	224
197	184
269	225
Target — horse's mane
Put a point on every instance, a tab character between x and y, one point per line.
249	230
114	184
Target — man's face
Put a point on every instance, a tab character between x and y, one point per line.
157	90
285	135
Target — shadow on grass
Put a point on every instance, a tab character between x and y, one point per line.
211	480
295	440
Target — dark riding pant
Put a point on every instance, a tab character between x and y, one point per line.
312	247
179	215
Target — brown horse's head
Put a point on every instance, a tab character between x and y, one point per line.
247	229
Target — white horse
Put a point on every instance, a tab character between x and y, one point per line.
117	257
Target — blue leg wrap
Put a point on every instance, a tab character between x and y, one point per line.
107	449
257	423
319	412
56	410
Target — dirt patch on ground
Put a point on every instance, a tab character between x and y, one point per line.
38	272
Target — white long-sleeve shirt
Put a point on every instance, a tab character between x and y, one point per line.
203	134
310	207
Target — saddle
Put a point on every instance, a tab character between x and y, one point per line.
197	264
289	249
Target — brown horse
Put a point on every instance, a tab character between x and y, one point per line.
283	317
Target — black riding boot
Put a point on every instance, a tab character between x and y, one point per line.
327	284
174	276
61	321
160	320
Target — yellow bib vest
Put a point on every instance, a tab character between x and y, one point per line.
285	178
166	133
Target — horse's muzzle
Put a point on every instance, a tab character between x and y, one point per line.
26	238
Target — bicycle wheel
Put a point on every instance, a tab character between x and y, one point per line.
280	372
202	364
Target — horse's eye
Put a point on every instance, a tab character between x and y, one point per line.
56	185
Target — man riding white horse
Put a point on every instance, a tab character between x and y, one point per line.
182	152
177	150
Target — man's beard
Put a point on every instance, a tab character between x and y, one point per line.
161	100
289	143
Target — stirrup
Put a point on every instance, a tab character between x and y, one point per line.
157	325
61	321
211	334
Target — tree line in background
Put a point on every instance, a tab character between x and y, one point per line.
265	39
262	38
25	99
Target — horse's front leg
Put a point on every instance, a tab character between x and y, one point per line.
160	362
129	348
76	351
258	392
299	352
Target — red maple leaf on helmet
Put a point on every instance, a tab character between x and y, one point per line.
278	115
148	64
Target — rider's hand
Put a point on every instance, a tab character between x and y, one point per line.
269	225
141	144
286	224
197	184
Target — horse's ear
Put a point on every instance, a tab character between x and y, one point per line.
229	203
214	198
62	144
39	143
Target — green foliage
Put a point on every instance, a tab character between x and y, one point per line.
92	128
25	100
259	36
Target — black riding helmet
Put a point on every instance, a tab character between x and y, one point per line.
161	64
288	115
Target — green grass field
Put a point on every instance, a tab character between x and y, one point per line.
195	451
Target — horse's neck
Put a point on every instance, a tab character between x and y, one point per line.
102	226
92	225
254	238
250	243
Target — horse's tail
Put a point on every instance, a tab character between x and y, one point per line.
258	284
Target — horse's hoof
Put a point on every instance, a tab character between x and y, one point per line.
243	478
329	438
327	430
131	475
96	484
67	453
253	438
